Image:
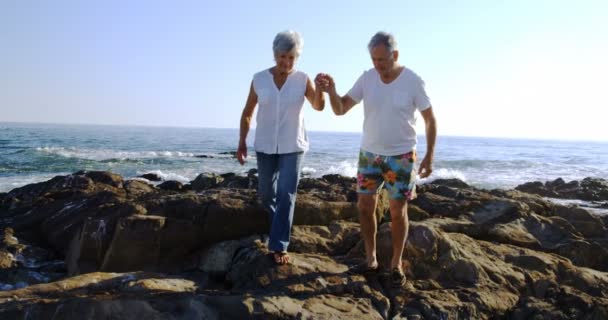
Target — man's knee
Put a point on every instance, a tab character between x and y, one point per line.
398	209
366	203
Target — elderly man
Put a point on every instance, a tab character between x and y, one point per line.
391	94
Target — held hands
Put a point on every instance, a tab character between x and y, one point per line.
241	153
325	82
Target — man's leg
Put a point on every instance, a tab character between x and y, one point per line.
369	225
369	181
287	189
401	186
399	230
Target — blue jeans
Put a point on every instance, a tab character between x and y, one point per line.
278	176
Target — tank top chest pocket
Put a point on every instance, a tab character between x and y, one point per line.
402	102
401	99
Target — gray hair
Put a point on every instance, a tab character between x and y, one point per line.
383	38
288	41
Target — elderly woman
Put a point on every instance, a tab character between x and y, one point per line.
280	137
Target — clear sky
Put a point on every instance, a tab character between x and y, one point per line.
519	68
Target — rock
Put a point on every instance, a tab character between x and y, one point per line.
184	206
311	211
536	232
240	182
310	183
589	189
151	177
537	187
228	175
135	245
233	216
416	214
497	211
437	205
61	189
453	183
317	307
584	222
529	262
62	201
206	181
514	232
534	202
470	254
161	285
336	239
217	259
159	297
585	254
137	188
61	225
88	248
171	185
151	243
7	260
306	274
104	177
338	179
594	189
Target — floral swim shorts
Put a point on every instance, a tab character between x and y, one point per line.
395	173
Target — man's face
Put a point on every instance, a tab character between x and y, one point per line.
285	61
383	60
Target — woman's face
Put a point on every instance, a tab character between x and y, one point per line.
285	61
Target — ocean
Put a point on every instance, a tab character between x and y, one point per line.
32	153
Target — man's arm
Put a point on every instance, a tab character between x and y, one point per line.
340	105
314	96
426	166
252	100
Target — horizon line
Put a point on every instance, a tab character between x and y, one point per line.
328	131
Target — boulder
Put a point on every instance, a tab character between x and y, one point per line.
152	177
206	181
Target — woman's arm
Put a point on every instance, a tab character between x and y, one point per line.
252	100
314	96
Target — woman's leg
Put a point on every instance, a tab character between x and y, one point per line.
267	182
287	187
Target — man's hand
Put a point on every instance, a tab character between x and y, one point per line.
324	82
426	167
241	153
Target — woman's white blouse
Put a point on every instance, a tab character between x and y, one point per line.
280	120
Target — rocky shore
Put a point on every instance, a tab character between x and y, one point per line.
92	245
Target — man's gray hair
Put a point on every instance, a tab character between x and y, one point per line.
383	38
288	41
